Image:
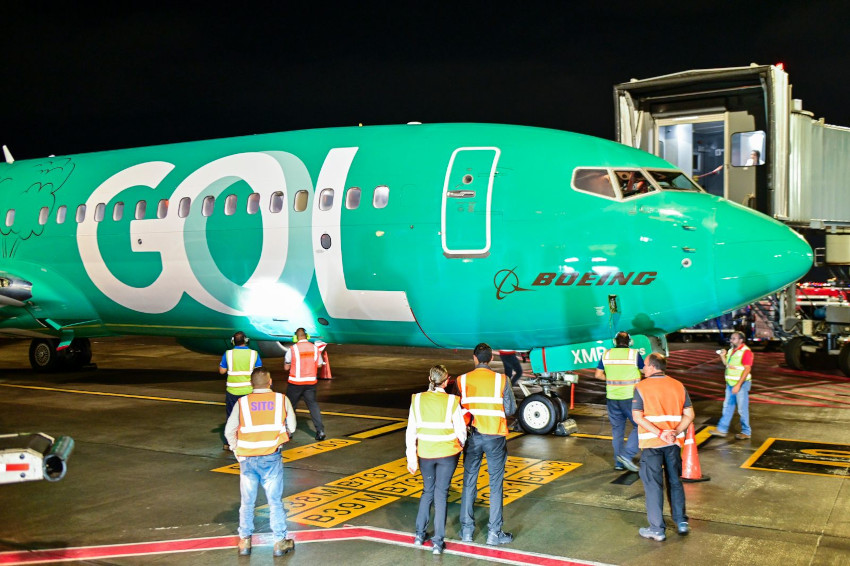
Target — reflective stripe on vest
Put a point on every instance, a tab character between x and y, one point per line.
435	438
305	363
734	366
481	396
240	364
663	404
621	372
262	428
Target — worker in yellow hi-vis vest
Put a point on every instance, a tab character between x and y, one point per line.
237	363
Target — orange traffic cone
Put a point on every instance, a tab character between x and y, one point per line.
325	370
691	471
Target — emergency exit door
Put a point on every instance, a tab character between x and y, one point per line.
467	193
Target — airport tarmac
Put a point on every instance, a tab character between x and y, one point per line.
149	483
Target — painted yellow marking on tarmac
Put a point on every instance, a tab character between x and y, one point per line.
806	457
342	510
299	452
599	436
381	430
703	435
371	477
103	394
409	486
321	495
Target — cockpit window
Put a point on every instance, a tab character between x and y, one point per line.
673	181
596	181
633	183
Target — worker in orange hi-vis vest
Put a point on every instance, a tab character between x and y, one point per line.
487	397
260	423
663	411
435	436
302	361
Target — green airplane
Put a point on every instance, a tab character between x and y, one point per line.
441	235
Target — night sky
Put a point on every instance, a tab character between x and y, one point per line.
86	80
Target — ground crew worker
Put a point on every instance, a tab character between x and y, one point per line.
620	368
510	361
237	363
663	412
435	436
486	397
260	424
302	363
739	362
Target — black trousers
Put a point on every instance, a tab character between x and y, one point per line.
295	392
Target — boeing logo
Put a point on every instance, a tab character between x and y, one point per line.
506	281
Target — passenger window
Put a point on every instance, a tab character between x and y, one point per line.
748	148
253	203
276	202
230	205
209	205
99	212
633	183
118	211
42	215
162	208
184	207
352	198
81	213
594	181
381	196
326	199
10	217
61	213
141	208
301	198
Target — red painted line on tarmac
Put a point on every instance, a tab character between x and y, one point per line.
493	554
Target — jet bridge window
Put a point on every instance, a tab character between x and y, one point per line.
99	212
381	196
208	206
300	204
673	181
42	215
81	213
276	202
61	213
162	208
141	208
352	198
118	211
633	183
748	149
184	207
326	199
253	203
594	181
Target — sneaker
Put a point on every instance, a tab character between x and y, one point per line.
683	528
438	548
646	532
619	468
466	536
244	546
283	546
742	436
321	435
499	537
717	432
419	540
627	462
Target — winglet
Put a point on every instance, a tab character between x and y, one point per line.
8	155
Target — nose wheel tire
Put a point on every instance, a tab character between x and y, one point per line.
43	355
538	414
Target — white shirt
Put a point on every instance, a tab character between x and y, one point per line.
410	437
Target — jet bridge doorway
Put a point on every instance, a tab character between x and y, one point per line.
697	146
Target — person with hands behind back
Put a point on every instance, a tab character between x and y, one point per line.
435	436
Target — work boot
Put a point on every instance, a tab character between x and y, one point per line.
742	436
244	546
321	435
283	546
646	532
719	433
499	537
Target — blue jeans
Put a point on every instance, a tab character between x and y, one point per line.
496	449
652	460
436	477
620	412
267	470
742	401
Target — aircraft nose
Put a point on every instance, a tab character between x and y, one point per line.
755	255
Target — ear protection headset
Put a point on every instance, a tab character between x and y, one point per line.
233	339
295	336
627	336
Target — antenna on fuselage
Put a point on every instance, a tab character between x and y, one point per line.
8	155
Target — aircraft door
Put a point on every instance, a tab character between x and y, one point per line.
741	176
467	195
697	146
